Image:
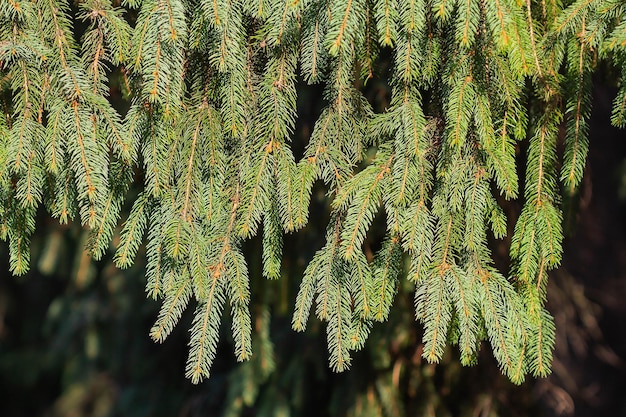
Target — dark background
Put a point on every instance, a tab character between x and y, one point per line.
74	332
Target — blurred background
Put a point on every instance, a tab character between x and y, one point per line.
74	332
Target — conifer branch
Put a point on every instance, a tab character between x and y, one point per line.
494	320
212	99
461	289
438	318
337	41
387	268
171	310
306	292
189	172
205	331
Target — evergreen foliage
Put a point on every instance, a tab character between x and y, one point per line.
211	90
